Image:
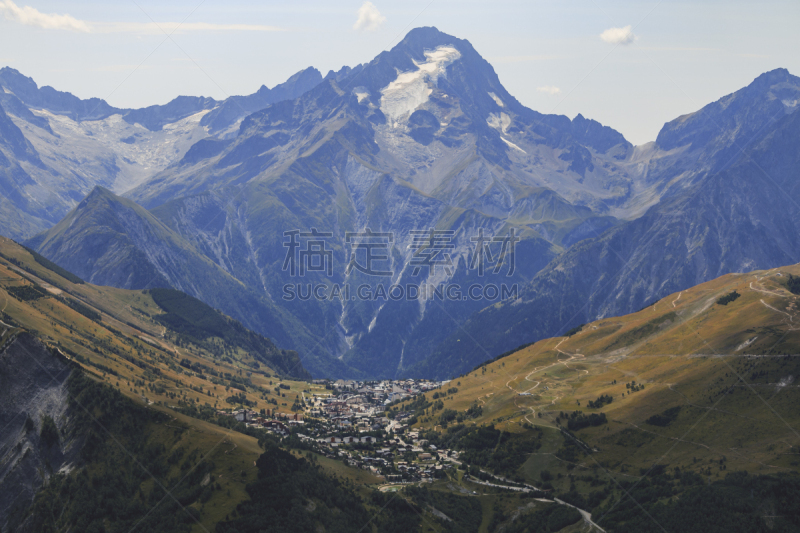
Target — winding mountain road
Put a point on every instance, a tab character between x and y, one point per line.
771	293
777	310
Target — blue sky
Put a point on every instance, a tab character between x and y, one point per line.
674	58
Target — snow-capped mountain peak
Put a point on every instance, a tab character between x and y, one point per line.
411	89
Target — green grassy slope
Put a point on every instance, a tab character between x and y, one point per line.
137	376
126	339
699	385
110	240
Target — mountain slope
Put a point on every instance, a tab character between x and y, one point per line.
65	431
65	344
108	240
35	384
709	140
424	136
14	180
66	312
83	143
743	217
639	413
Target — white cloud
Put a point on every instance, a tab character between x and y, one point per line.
32	17
369	18
618	35
549	89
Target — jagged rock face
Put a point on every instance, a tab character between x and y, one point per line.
425	136
24	205
228	114
745	217
33	385
56	147
433	113
709	140
108	240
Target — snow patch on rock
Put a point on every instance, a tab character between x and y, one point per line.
512	145
361	93
499	121
497	99
110	151
412	89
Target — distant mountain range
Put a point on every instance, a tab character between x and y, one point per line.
422	138
741	212
55	148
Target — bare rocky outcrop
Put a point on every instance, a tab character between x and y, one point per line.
33	387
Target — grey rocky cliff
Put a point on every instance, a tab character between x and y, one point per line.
33	384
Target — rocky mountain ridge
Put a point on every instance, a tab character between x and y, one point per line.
73	145
424	138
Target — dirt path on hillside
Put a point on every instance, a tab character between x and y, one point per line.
676	299
570	359
777	310
587	516
480	398
5	304
765	291
760	288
